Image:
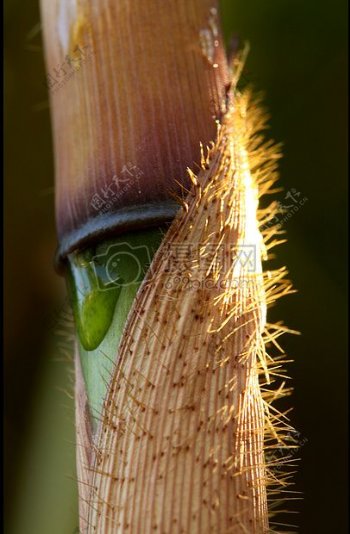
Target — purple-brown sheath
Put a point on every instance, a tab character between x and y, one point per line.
135	87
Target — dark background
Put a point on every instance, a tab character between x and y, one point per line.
298	58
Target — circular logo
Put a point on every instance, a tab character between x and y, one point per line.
123	258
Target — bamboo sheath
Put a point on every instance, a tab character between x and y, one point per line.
180	445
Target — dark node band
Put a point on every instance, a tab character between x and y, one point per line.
108	225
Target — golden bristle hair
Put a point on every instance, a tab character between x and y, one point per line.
189	428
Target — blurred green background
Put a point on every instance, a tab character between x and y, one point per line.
298	58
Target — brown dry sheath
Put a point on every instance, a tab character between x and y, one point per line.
135	87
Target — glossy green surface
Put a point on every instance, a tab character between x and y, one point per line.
93	309
102	283
98	276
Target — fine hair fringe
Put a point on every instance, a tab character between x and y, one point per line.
190	439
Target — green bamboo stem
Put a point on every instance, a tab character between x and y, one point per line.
93	289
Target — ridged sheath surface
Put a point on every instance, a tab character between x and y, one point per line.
180	448
134	87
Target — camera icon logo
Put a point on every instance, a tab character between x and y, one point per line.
121	265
